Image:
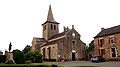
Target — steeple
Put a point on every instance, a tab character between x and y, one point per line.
50	15
50	27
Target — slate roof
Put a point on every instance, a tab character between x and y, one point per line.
50	18
109	31
50	22
39	39
57	35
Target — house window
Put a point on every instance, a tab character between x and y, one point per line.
113	52
112	39
100	42
101	52
51	26
54	27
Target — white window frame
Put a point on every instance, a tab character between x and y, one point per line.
111	39
99	41
111	52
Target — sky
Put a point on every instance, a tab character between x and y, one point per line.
20	20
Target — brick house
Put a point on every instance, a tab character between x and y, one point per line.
107	43
54	45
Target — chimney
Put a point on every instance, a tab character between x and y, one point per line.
102	28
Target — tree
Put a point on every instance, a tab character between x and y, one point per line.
91	47
2	58
1	53
18	56
27	49
34	56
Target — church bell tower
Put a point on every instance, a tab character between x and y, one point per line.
50	27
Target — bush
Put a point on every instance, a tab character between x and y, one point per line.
19	57
54	65
2	58
28	62
49	59
9	62
34	56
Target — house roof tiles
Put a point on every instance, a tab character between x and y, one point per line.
109	31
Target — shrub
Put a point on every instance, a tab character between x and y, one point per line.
49	59
28	62
54	65
9	62
19	57
34	56
2	58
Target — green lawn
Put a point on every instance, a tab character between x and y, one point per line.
24	65
34	65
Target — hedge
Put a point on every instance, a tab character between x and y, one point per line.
2	58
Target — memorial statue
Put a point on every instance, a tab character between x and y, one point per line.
10	47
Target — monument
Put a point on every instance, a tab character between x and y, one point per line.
9	55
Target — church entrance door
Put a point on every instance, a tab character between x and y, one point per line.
73	56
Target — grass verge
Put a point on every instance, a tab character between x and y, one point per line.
23	65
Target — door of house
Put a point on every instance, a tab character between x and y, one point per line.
73	56
113	52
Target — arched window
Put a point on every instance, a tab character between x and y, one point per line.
51	26
54	27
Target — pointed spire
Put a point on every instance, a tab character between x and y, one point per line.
50	15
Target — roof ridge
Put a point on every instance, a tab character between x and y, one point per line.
113	27
109	31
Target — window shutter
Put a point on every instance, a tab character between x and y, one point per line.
115	39
98	42
104	51
103	41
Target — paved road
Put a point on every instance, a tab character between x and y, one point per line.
88	63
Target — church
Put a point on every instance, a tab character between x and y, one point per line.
66	45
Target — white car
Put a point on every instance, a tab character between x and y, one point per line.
97	59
